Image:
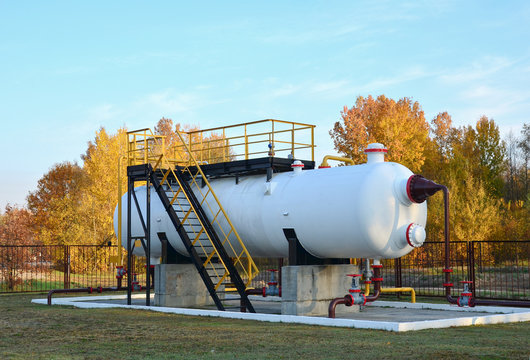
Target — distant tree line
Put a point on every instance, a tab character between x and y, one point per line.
487	176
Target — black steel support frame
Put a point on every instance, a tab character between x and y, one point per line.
299	256
145	173
133	177
169	254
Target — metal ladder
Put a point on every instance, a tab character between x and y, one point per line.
204	227
204	246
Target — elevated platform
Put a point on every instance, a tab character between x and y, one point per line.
252	166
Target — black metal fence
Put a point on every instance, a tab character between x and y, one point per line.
36	268
498	269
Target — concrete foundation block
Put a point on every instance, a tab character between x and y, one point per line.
308	289
180	285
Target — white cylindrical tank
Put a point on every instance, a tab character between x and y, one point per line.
359	211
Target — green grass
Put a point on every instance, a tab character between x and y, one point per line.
29	331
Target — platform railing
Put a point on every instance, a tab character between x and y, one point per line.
269	137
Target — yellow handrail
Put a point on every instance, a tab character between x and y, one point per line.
216	144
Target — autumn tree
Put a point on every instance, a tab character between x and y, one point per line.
15	230
439	149
467	160
56	205
399	125
491	152
211	146
100	190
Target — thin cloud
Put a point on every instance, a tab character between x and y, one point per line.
478	70
381	84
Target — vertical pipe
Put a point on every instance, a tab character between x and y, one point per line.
120	255
447	263
130	188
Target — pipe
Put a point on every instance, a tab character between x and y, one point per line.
402	289
447	270
260	291
89	290
377	280
337	158
346	300
119	235
367	288
447	262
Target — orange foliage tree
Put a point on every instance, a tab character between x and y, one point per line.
15	230
56	204
399	125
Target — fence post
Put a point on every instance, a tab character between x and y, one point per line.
471	265
397	274
66	267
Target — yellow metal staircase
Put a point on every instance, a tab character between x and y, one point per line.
205	229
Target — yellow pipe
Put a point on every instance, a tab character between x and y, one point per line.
366	289
120	254
404	289
337	158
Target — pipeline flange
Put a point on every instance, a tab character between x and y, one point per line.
466	296
355	290
120	272
272	288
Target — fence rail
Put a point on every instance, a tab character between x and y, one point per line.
498	269
36	268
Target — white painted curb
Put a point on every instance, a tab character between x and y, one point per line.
501	314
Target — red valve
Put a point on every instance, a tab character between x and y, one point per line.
353	275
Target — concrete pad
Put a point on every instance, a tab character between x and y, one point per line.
384	315
180	285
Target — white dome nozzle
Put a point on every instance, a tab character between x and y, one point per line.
297	166
375	153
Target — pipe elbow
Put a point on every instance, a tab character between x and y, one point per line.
325	163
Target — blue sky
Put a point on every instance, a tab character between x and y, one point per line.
68	68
